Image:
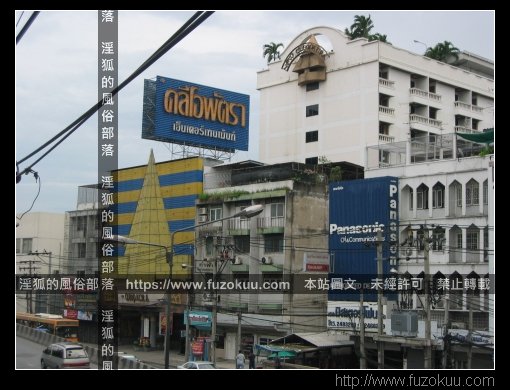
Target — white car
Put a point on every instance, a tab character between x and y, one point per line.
197	365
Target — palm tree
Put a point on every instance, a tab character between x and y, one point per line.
379	37
443	52
360	28
271	51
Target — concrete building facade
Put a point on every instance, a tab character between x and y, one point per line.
39	250
371	93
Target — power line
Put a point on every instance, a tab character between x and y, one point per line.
26	26
197	19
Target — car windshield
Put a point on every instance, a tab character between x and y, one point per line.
205	366
75	353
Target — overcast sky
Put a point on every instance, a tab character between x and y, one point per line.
56	76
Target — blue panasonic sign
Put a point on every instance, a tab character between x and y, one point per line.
358	210
186	113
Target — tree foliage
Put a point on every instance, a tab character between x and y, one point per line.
362	27
443	51
271	51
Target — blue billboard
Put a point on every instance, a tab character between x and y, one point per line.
358	210
191	114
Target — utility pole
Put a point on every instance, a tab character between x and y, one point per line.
470	334
446	343
362	358
31	268
426	264
380	343
186	346
214	315
238	340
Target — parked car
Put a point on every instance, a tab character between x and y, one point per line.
65	355
197	365
127	356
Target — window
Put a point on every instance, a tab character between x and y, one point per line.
433	113
81	249
277	210
413	84
312	136
474	100
384	100
312	110
273	243
422	197
438	196
438	239
215	214
81	224
432	88
485	192
474	124
312	161
459	240
384	128
27	245
472	239
411	199
458	192
242	244
312	86
472	188
18	245
486	244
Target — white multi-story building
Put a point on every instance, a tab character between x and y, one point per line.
39	249
334	102
450	201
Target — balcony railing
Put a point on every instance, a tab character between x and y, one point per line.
387	83
425	94
462	129
468	107
424	120
270	222
386	138
386	110
238	224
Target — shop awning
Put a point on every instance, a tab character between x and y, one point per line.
487	137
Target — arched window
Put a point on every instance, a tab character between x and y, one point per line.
472	188
422	197
438	196
438	238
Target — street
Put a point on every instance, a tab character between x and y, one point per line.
28	354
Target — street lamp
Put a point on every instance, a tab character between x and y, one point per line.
421	43
248	212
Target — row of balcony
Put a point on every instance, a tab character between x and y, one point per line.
240	226
434	97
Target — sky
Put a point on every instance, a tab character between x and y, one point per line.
56	76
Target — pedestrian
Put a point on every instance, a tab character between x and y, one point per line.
251	358
240	360
277	362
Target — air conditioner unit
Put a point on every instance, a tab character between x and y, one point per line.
202	210
237	260
267	260
202	218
